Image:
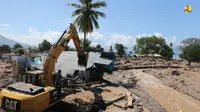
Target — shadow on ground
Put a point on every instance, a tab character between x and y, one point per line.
78	105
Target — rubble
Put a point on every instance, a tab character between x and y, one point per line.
175	72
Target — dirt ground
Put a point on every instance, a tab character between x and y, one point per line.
5	74
186	81
129	81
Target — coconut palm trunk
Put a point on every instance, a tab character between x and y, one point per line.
84	41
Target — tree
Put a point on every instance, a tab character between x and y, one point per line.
111	49
44	46
85	43
87	16
19	50
120	49
5	48
98	46
190	50
166	51
72	49
33	49
17	46
152	45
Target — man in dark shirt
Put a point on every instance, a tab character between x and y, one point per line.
58	78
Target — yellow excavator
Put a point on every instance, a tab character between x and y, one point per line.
26	97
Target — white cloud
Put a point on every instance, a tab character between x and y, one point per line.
5	25
6	28
34	37
158	34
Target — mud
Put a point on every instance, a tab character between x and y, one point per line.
170	99
5	74
76	105
129	80
188	82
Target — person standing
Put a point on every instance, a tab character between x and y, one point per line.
58	79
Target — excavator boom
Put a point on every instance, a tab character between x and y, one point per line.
56	50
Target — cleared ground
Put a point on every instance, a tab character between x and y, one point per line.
172	92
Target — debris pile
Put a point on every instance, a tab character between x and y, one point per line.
5	74
104	96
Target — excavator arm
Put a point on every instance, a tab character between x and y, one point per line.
57	49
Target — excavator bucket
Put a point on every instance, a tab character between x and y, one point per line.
82	59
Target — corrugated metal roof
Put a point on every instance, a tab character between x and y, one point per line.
67	62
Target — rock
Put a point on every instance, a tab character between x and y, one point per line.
139	104
140	108
175	72
7	71
116	68
127	61
8	67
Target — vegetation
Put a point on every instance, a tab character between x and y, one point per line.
18	49
16	46
44	46
98	46
153	45
111	49
33	49
88	46
166	51
120	49
5	48
190	50
86	43
87	16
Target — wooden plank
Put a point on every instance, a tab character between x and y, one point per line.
130	99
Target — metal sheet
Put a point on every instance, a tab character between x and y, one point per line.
67	62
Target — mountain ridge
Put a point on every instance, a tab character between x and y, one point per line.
10	42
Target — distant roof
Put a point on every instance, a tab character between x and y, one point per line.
10	54
157	55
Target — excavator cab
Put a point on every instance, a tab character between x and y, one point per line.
33	77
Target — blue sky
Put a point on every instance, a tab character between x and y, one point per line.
34	20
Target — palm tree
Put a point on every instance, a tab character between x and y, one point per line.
87	16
